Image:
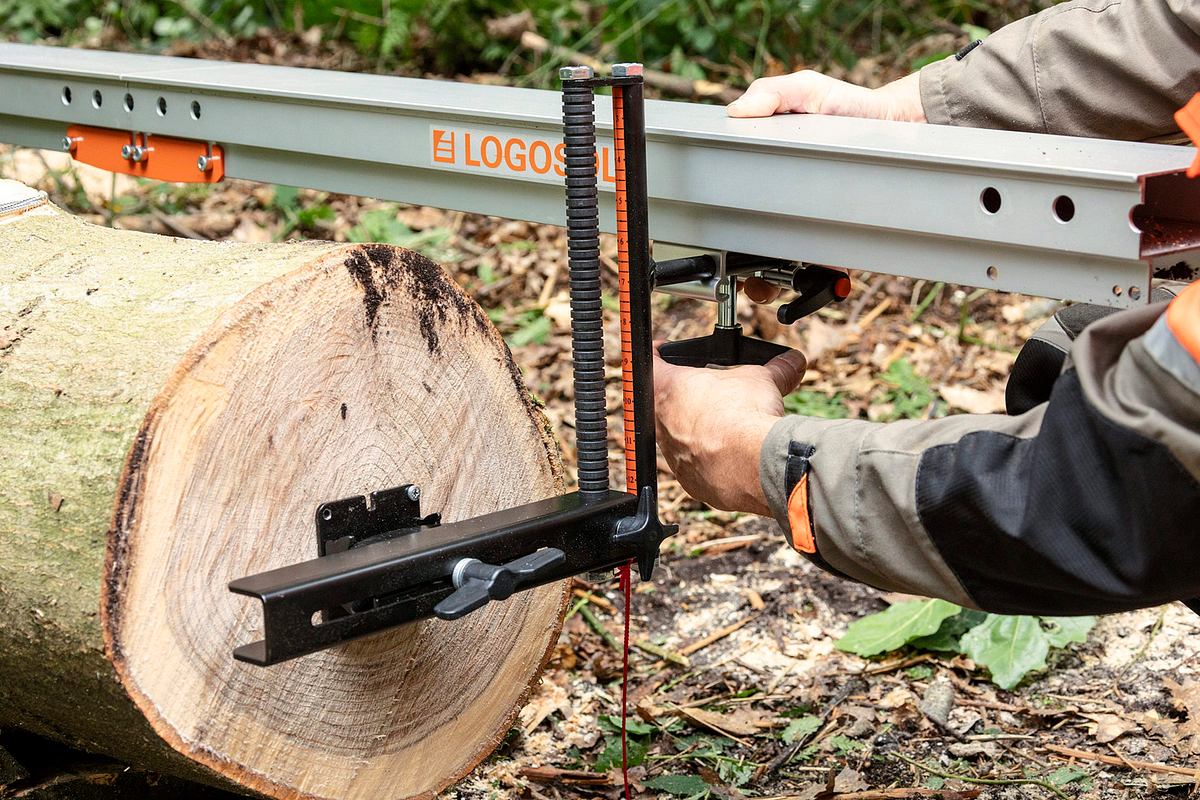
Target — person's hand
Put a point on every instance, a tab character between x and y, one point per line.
711	425
810	92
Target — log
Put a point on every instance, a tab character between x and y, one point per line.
171	413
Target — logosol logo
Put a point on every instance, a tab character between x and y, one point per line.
498	151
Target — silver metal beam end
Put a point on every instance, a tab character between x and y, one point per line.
574	73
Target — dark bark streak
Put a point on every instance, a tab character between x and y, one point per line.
379	269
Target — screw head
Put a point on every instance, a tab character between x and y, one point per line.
127	151
414	493
574	73
626	70
67	144
202	163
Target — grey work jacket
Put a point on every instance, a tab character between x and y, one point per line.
1113	69
1090	501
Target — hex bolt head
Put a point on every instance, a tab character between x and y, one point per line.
627	70
414	493
574	73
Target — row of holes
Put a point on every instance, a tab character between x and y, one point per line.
98	101
1063	207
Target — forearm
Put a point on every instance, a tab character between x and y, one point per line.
1086	504
1107	68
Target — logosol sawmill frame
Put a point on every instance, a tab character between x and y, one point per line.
1068	218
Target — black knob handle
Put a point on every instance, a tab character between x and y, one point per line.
476	583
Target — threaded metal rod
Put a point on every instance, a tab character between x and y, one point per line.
583	259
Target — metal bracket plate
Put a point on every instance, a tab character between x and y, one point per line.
365	519
146	155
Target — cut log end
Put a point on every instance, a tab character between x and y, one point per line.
365	368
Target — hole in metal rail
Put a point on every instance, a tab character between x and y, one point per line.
1134	292
128	102
195	109
161	105
66	96
316	619
1139	217
97	99
1116	291
990	199
1064	208
326	514
993	273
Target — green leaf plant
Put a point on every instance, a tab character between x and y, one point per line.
1009	647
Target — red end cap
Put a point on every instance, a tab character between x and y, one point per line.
841	289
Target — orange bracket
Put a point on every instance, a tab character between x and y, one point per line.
1188	119
146	155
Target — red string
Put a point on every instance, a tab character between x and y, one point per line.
625	581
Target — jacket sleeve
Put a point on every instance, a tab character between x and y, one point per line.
1085	504
1115	69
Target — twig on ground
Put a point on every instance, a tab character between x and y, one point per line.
994	705
1120	761
727	544
1141	653
892	666
716	636
665	654
883	306
594	599
934	292
790	752
861	303
952	776
577	777
595	624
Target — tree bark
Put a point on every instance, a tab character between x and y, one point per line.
171	413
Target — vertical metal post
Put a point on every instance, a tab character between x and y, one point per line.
583	258
637	334
727	302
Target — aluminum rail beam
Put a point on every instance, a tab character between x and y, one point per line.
898	198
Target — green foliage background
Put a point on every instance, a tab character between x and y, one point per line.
730	40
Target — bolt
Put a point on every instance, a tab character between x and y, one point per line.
205	163
127	152
414	493
67	144
575	73
626	70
